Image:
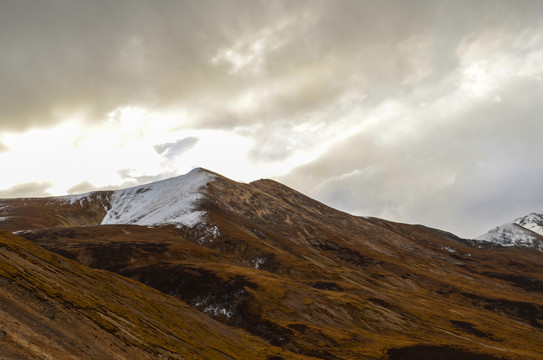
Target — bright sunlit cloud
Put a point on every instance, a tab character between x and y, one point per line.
124	147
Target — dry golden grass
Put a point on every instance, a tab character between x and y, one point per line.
56	308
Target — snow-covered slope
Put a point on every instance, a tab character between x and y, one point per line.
171	201
509	235
532	222
526	231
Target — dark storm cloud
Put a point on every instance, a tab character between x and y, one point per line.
34	189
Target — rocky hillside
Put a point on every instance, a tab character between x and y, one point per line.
313	281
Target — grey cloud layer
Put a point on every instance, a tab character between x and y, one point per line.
26	190
60	58
297	74
64	57
464	174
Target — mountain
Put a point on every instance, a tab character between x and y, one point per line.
171	201
303	278
55	308
526	231
532	222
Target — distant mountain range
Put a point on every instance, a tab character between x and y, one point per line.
203	267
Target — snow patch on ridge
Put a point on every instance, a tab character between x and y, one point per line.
170	201
258	262
523	232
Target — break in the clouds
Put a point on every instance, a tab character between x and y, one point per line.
417	111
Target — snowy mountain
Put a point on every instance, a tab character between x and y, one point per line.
171	201
533	222
526	231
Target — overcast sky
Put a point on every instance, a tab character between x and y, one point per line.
415	111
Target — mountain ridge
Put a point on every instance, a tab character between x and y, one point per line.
532	222
304	277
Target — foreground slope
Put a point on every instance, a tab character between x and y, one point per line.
54	308
303	276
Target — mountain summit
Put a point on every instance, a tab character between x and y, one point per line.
526	231
532	222
170	201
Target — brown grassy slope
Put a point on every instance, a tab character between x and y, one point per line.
55	308
46	212
432	286
340	311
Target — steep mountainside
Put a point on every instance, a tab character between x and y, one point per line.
171	201
526	231
54	308
532	221
300	275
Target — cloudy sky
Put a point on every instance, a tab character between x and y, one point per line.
419	111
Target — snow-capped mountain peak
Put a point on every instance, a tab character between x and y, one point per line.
526	231
532	222
170	201
509	234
